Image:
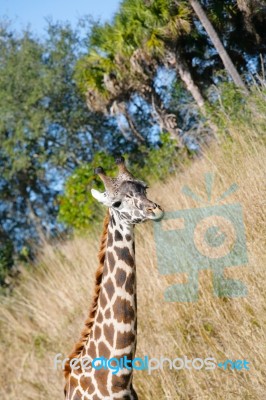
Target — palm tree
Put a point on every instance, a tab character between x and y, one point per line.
105	78
228	64
156	27
124	57
150	33
115	70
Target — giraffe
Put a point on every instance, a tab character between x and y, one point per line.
111	328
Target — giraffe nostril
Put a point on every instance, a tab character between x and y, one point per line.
153	207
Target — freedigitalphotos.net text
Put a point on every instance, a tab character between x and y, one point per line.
149	364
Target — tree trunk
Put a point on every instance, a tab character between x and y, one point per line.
140	139
173	59
177	61
246	7
229	66
186	77
166	121
121	108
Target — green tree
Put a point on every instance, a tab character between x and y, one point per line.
158	25
105	75
77	206
228	64
79	210
46	130
124	57
6	256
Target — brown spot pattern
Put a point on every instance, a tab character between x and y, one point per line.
110	240
72	385
97	332
123	310
111	260
124	339
101	376
95	397
109	287
118	236
130	283
100	317
92	350
86	384
78	396
136	325
120	382
124	255
108	331
103	300
120	277
103	350
113	221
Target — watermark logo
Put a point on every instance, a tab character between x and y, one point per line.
209	237
115	365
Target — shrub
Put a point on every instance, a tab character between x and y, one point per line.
6	259
78	209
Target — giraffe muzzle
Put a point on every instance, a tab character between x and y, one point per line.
155	213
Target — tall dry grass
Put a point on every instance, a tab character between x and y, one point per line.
46	313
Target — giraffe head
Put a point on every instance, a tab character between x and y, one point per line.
126	196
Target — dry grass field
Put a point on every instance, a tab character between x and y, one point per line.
45	314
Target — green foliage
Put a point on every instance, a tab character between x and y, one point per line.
78	209
6	259
137	26
46	129
157	163
232	107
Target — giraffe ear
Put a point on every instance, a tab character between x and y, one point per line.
101	197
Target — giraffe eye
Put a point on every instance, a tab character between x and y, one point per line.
117	204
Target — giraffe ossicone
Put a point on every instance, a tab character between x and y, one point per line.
111	328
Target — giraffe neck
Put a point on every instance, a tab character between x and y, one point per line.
114	331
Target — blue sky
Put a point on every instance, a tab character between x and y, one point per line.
34	12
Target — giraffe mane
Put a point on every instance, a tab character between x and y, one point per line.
79	346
